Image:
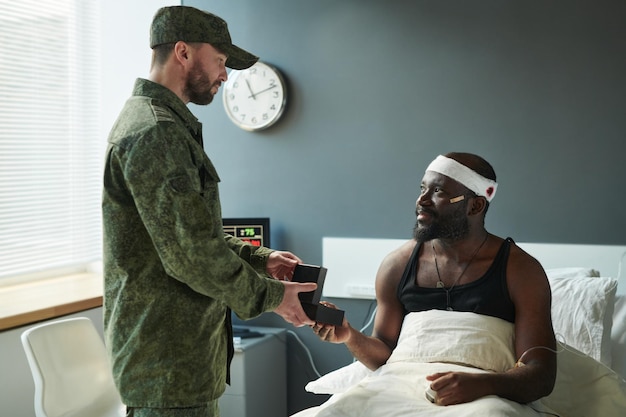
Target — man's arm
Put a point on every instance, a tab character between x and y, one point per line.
534	336
373	351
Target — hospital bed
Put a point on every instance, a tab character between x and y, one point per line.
588	285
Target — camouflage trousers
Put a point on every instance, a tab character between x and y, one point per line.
210	410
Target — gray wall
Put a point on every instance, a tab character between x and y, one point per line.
379	88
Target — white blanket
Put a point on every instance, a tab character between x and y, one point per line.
397	388
483	342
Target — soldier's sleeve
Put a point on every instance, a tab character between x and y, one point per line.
256	256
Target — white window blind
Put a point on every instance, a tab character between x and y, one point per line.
50	139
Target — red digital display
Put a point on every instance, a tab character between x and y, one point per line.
253	242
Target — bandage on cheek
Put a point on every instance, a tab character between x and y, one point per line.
457	199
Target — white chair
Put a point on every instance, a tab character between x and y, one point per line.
71	370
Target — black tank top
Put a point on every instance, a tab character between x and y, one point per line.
489	295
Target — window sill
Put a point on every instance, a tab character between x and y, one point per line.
31	302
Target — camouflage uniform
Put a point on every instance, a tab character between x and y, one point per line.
170	271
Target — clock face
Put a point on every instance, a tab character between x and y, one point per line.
255	98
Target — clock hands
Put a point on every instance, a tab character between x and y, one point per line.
250	88
262	91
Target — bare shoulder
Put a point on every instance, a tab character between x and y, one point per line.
393	265
390	312
523	262
397	259
525	273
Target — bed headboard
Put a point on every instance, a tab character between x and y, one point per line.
606	259
352	262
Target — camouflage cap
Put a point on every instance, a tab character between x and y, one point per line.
188	24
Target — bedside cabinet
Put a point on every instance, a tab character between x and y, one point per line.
258	376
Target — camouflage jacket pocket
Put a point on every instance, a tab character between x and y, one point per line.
199	180
184	183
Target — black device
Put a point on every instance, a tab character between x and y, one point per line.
254	230
245	333
311	300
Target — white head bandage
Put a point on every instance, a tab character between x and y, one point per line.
468	177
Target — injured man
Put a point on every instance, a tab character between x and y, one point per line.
463	325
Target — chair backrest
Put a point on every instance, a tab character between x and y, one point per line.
71	370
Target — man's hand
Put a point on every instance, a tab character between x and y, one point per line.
330	333
281	264
456	387
290	308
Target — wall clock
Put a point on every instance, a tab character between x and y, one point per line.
255	98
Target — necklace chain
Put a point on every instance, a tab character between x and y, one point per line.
441	284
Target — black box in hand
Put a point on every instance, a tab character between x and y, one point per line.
310	300
310	273
322	314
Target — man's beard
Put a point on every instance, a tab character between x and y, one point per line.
198	86
453	226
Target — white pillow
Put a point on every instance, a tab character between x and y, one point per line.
571	272
585	387
582	314
340	380
618	336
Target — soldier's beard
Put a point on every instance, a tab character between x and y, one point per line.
198	86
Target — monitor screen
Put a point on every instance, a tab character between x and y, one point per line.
255	231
